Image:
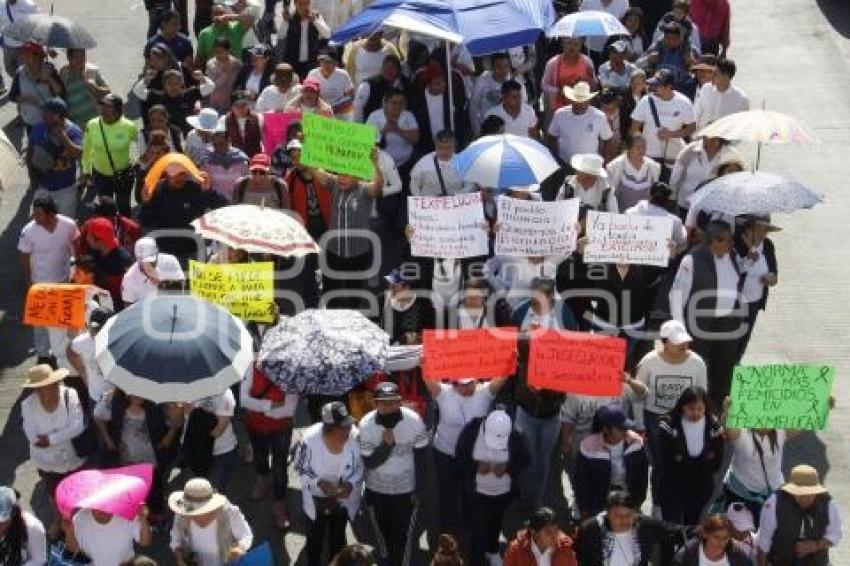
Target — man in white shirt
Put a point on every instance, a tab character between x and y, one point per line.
720	97
488	89
249	13
46	247
108	539
393	443
337	12
659	197
300	23
151	268
616	72
10	12
578	128
665	136
336	86
81	355
433	175
397	127
283	90
519	118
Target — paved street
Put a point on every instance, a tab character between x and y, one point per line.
792	55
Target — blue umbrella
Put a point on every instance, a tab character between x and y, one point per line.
504	161
174	348
326	352
590	23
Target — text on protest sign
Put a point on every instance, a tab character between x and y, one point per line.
534	228
780	396
480	353
245	289
447	227
576	362
627	238
58	305
338	146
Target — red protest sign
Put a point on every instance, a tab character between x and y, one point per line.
56	304
480	353
576	362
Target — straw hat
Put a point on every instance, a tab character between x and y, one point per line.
197	498
43	375
579	93
804	480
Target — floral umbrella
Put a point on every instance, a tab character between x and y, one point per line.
325	352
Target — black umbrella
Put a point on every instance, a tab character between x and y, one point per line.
50	31
174	348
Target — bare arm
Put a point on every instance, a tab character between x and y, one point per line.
25	268
376	188
497	384
433	386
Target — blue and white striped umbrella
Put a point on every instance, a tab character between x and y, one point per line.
504	161
590	23
173	348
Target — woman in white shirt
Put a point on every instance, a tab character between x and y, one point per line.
208	530
632	174
398	128
224	444
53	417
107	538
22	540
330	468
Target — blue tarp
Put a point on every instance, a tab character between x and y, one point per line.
482	26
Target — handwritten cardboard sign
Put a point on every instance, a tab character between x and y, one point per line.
576	362
56	304
338	146
480	353
447	227
534	228
781	396
245	289
627	238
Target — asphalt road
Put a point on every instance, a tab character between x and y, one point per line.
792	56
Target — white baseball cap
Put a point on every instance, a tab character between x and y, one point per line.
497	430
674	332
146	249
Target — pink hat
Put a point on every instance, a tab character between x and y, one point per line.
312	84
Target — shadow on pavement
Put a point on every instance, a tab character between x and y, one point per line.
837	12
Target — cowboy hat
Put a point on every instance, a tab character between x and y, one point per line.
589	163
579	93
804	480
207	120
43	375
197	498
759	220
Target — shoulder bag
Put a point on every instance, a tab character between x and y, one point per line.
666	170
125	179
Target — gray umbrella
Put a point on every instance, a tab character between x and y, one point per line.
50	31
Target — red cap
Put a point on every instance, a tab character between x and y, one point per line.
312	84
33	48
260	161
103	230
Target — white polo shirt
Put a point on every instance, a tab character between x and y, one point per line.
579	133
519	126
399	148
136	286
672	114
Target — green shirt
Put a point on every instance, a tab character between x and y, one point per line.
119	136
82	106
234	32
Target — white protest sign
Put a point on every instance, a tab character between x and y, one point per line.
535	228
447	227
627	238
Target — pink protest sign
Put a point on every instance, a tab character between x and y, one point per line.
119	491
274	128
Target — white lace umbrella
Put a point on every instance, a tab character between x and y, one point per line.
754	193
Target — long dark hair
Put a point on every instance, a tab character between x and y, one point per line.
15	540
690	395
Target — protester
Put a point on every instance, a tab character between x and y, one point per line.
208	529
520	119
448	553
589	183
542	543
695	164
566	69
632	174
84	87
105	537
713	545
334	84
223	70
282	91
22	539
13	10
255	76
578	128
150	269
111	261
81	357
300	35
366	56
433	174
223	163
720	98
34	83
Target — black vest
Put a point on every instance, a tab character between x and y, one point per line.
789	521
292	43
705	280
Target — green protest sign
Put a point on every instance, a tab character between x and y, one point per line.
338	146
780	396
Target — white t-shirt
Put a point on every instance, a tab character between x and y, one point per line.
83	346
746	464
255	9
704	561
399	148
424	180
368	64
61	425
136	286
204	540
222	405
435	103
623	550
334	87
694	436
519	126
397	475
34	551
618	463
713	104
665	382
672	114
753	289
50	252
456	411
107	544
490	484
579	133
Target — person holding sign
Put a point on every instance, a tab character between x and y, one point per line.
632	174
589	183
692	451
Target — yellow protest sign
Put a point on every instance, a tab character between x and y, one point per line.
245	289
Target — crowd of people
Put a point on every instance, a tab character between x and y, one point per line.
655	475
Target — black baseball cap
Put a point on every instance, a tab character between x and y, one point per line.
336	413
662	77
386	391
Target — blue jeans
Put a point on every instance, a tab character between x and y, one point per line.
221	468
540	437
276	445
656	477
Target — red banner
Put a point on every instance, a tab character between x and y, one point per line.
56	304
480	353
577	362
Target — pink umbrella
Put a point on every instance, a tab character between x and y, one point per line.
119	491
